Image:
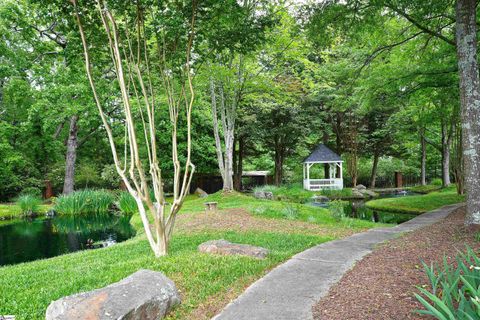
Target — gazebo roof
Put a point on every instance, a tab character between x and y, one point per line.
323	154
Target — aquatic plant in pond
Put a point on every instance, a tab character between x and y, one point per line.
84	202
28	204
126	203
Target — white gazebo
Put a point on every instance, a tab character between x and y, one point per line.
323	155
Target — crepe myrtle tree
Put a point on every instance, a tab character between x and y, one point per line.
129	49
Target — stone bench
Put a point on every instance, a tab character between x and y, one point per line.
211	207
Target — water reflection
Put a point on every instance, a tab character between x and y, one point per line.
27	240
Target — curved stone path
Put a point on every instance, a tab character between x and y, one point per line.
290	290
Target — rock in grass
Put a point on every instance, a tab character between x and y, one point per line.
225	247
201	193
145	295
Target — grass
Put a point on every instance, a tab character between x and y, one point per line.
426	188
296	193
29	204
10	211
418	204
207	282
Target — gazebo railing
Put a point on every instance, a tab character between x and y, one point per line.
317	184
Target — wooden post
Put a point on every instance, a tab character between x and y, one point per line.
398	179
48	189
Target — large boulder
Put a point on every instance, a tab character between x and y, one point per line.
357	194
199	192
225	247
360	187
145	295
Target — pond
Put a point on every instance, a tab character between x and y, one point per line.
357	209
24	240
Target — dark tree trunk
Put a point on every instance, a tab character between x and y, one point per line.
373	177
279	153
71	157
237	179
423	166
466	39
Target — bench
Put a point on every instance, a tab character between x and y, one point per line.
211	207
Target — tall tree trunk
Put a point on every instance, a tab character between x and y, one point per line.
373	177
466	39
237	182
446	140
278	162
71	157
423	166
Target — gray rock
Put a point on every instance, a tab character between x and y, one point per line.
360	187
225	247
357	194
369	193
143	295
320	199
201	193
268	195
259	194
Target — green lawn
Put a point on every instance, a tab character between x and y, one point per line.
27	289
425	189
418	204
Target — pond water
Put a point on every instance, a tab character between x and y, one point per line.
24	240
357	209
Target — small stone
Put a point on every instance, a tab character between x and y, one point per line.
145	295
225	247
320	199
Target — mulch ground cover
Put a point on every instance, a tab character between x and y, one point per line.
382	285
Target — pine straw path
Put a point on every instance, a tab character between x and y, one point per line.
241	220
382	285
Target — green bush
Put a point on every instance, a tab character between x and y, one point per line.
32	191
454	292
84	202
28	203
436	182
126	203
336	208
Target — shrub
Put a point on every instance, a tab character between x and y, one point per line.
84	202
126	203
454	292
436	182
290	211
28	203
32	191
336	208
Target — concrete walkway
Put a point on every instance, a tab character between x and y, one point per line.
290	290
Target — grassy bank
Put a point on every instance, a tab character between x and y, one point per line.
417	204
296	193
425	189
10	211
206	282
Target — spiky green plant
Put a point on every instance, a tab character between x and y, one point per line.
84	202
28	203
454	292
126	203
